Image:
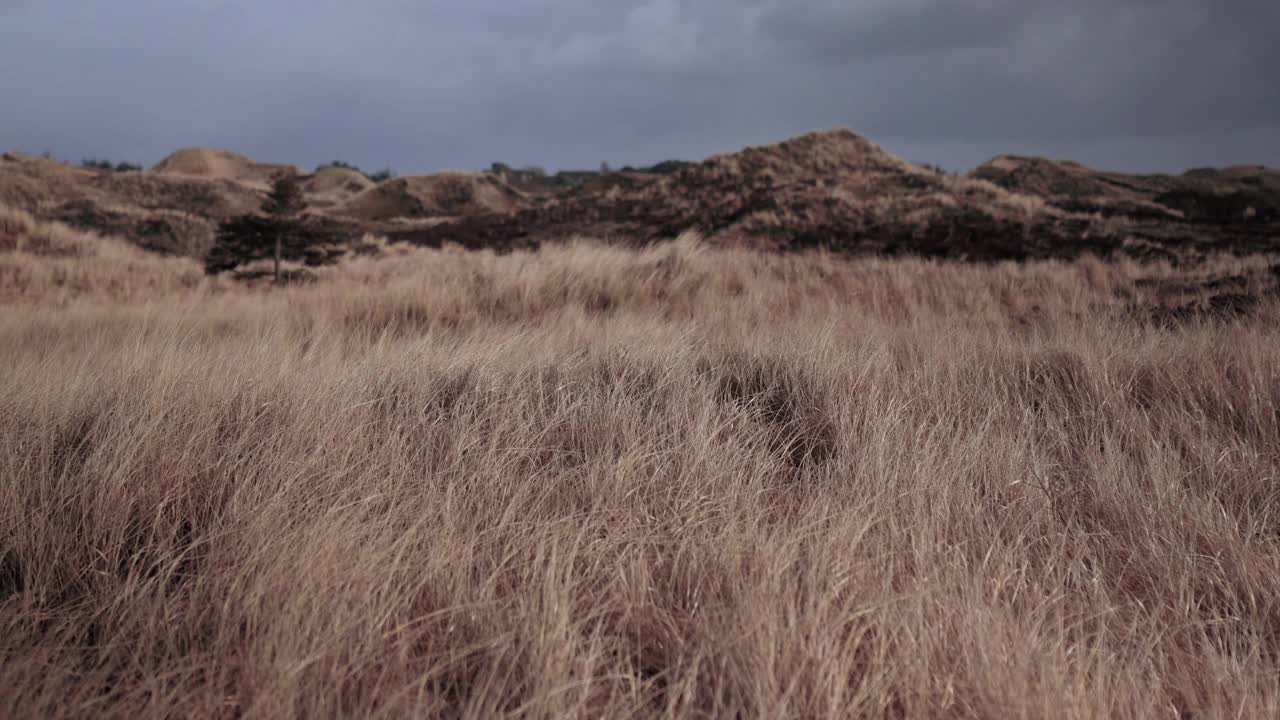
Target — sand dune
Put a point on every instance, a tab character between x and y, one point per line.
337	181
215	164
833	189
434	195
158	211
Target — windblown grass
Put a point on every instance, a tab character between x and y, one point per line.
50	263
593	482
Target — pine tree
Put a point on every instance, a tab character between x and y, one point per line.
278	232
283	204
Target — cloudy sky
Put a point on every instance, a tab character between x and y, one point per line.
420	85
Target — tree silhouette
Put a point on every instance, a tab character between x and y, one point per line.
278	232
283	204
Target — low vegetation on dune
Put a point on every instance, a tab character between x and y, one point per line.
676	481
161	212
834	189
839	191
443	194
53	264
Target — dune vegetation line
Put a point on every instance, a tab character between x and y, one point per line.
592	481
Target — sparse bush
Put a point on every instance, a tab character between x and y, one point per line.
667	167
379	176
104	164
337	164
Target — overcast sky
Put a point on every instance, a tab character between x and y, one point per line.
420	85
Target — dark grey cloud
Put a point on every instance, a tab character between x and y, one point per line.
843	33
1140	84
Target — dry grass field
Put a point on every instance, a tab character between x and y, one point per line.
599	482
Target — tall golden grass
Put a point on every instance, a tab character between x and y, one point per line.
596	482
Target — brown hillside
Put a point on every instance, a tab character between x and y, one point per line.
30	182
214	164
337	181
1236	209
1047	178
836	189
332	187
1228	192
447	194
832	188
38	184
157	211
173	209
